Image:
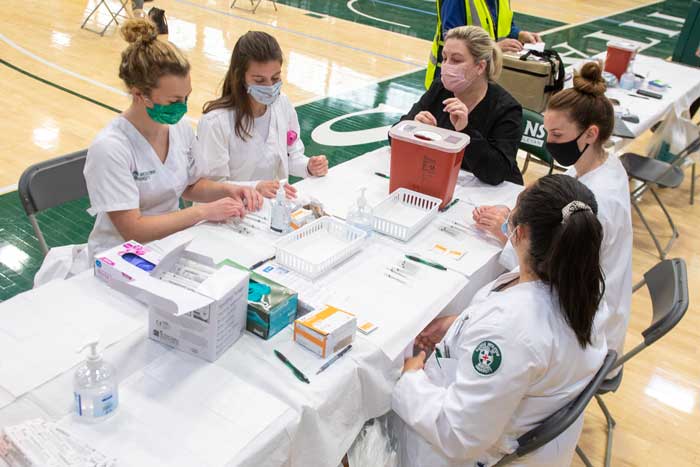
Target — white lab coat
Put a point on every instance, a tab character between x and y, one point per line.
454	416
226	156
609	184
123	172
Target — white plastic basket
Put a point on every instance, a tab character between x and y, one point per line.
404	213
319	246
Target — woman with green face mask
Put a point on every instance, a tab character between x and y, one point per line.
139	166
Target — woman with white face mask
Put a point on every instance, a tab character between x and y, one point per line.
525	347
579	121
251	133
467	99
139	166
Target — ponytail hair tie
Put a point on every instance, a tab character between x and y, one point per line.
572	207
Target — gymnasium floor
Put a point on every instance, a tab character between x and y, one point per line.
351	68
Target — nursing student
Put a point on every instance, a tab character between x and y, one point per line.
579	121
250	135
467	99
139	166
525	347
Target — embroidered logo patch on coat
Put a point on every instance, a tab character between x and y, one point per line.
486	358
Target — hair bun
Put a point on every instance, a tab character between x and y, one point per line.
139	30
590	79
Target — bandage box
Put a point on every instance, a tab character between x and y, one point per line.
325	331
203	317
426	159
271	306
301	217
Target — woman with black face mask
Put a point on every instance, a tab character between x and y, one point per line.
579	121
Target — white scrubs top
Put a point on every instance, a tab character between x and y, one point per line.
510	367
273	154
609	184
123	172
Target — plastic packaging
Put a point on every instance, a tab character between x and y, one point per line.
627	79
361	215
280	217
95	387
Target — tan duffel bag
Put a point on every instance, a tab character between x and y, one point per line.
533	77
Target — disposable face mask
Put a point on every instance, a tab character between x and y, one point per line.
266	95
568	153
167	114
455	78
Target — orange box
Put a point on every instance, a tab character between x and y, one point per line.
426	159
618	57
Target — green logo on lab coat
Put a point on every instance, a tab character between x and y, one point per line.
486	358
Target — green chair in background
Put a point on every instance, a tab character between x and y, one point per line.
533	139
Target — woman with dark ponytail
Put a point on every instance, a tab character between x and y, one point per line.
525	347
579	121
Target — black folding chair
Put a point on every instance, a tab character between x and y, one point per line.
667	283
49	184
562	419
654	172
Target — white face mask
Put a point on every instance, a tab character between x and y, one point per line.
509	257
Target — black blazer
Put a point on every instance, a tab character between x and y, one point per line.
494	129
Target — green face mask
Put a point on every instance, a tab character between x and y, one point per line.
167	114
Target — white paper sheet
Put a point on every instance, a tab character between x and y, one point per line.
181	411
222	243
44	327
400	308
338	197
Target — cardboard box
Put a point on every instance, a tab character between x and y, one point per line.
325	331
201	318
267	317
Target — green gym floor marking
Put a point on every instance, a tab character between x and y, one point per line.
410	17
350	124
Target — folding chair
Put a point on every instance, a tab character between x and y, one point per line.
253	3
562	419
113	15
664	174
667	283
533	141
49	184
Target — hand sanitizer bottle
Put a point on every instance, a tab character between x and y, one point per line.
281	215
95	387
361	215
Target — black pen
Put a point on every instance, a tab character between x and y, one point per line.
261	262
379	174
299	375
334	359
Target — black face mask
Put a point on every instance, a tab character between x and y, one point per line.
566	154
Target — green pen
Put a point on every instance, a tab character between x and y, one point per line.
426	262
299	375
449	205
379	174
438	356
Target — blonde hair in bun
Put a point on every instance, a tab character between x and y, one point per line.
147	59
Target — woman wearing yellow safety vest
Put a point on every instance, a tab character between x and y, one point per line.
495	16
467	99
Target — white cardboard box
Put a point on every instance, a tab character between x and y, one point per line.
204	321
326	330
